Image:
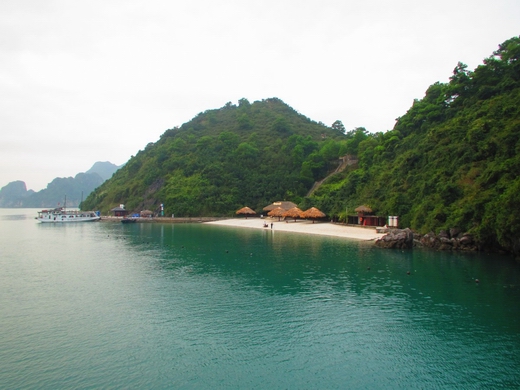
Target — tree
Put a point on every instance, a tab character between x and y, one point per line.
338	125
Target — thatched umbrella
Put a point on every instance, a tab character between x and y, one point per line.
295	212
277	212
313	213
146	213
246	211
363	209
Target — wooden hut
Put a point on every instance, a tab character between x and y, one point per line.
363	210
283	204
364	217
119	211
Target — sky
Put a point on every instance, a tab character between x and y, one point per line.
87	81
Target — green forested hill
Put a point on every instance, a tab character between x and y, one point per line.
451	161
250	154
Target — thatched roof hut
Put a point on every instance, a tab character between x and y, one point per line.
283	204
119	211
246	211
363	209
277	212
295	212
146	213
313	213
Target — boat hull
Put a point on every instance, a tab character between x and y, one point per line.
60	215
92	219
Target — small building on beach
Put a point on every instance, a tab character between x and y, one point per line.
366	220
119	211
365	217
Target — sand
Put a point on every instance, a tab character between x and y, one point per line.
307	227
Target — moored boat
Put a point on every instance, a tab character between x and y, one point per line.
60	215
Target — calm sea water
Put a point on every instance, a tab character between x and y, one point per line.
106	305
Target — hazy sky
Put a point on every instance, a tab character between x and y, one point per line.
87	81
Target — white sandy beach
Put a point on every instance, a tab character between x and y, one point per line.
320	228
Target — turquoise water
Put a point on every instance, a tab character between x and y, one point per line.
107	305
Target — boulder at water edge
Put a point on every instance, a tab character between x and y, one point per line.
397	239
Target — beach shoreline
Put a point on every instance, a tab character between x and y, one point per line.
303	226
298	226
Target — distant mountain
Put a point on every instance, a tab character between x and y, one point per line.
14	194
75	189
105	169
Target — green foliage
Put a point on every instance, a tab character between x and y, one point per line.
224	159
338	126
450	161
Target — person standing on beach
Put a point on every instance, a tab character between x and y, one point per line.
271	225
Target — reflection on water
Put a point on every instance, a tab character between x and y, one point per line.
152	305
13	217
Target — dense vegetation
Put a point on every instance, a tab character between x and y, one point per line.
451	161
250	154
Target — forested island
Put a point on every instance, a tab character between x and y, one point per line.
451	161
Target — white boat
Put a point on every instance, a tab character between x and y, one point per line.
60	215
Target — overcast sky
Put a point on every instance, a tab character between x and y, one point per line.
87	81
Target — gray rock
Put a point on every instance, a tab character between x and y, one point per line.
397	239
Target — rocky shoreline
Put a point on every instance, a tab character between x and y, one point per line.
453	239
